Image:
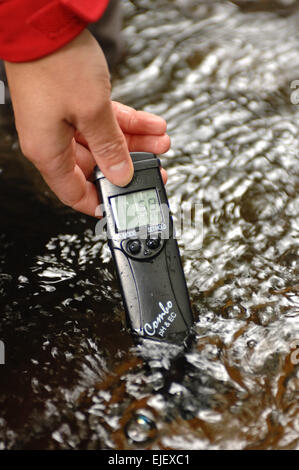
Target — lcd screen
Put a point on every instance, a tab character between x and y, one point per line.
136	209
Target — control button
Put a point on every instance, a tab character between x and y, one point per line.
134	246
153	243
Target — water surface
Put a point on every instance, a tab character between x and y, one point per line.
220	73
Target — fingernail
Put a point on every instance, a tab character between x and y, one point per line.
122	173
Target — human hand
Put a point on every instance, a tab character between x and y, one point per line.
67	123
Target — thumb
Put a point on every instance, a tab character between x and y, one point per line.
107	144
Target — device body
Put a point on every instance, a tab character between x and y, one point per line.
145	252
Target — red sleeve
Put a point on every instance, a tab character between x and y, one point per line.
30	29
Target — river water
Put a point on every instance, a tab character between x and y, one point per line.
221	74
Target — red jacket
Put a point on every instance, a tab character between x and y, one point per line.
30	29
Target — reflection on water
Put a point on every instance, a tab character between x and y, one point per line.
220	73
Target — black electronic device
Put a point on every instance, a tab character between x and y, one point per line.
146	254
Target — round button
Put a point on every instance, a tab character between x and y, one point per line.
153	243
134	246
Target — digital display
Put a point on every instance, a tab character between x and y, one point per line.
136	209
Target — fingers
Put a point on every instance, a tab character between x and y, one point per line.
148	143
85	161
164	175
67	180
144	132
138	143
67	173
107	143
117	130
89	201
80	139
138	122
